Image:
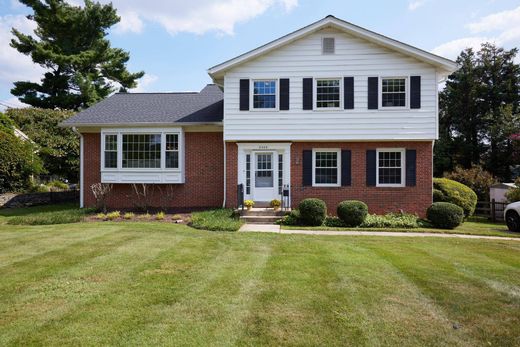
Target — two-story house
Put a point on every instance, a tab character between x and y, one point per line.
332	111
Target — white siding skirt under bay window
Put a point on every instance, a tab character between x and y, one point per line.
264	170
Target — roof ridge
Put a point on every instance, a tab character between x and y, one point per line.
133	93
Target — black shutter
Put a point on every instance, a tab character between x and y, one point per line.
346	168
373	92
411	165
415	92
307	168
244	95
307	93
284	94
348	93
371	168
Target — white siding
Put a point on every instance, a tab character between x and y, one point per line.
353	57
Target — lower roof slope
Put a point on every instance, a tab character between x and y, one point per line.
206	106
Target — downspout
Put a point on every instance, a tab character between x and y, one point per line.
225	154
81	204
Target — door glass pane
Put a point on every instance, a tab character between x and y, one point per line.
264	171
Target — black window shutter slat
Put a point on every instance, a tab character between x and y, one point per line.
371	168
373	92
307	93
415	92
244	95
348	93
346	167
411	167
284	94
307	168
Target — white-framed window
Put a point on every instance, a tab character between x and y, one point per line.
141	150
327	93
390	167
110	151
326	167
265	94
172	151
394	92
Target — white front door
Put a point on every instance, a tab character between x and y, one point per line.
265	187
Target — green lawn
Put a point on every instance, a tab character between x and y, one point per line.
165	284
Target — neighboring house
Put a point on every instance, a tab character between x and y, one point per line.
498	191
332	111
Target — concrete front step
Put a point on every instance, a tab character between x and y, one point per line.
260	219
261	212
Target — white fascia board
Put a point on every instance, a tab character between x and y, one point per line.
443	64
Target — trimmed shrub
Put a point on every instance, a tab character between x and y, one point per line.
445	215
352	212
292	218
391	220
333	222
312	211
478	179
455	193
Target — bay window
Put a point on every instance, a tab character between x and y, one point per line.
141	151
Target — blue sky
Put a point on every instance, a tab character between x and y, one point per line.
175	41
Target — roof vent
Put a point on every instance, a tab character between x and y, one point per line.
328	45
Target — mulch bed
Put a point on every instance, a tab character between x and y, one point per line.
178	218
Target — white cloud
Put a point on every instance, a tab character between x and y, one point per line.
15	66
13	103
415	4
498	21
195	16
501	28
144	82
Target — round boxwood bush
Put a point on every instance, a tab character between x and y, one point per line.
312	211
352	212
455	193
445	215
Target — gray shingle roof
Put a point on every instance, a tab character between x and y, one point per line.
205	106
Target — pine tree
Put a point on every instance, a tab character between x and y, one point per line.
71	44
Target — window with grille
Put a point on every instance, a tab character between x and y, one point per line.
328	93
390	167
326	167
280	173
264	171
264	94
393	92
142	151
111	151
172	151
248	174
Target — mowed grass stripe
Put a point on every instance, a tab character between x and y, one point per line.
73	291
49	239
468	300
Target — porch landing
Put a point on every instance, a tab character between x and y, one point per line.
261	215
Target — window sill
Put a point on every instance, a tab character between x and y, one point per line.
390	186
326	185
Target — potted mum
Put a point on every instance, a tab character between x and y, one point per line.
249	204
275	204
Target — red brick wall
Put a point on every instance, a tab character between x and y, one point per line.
231	174
379	200
203	185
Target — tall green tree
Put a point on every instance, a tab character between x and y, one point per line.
58	147
479	110
70	43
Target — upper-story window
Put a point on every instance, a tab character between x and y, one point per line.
393	92
264	94
328	93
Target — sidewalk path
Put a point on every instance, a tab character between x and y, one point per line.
272	228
